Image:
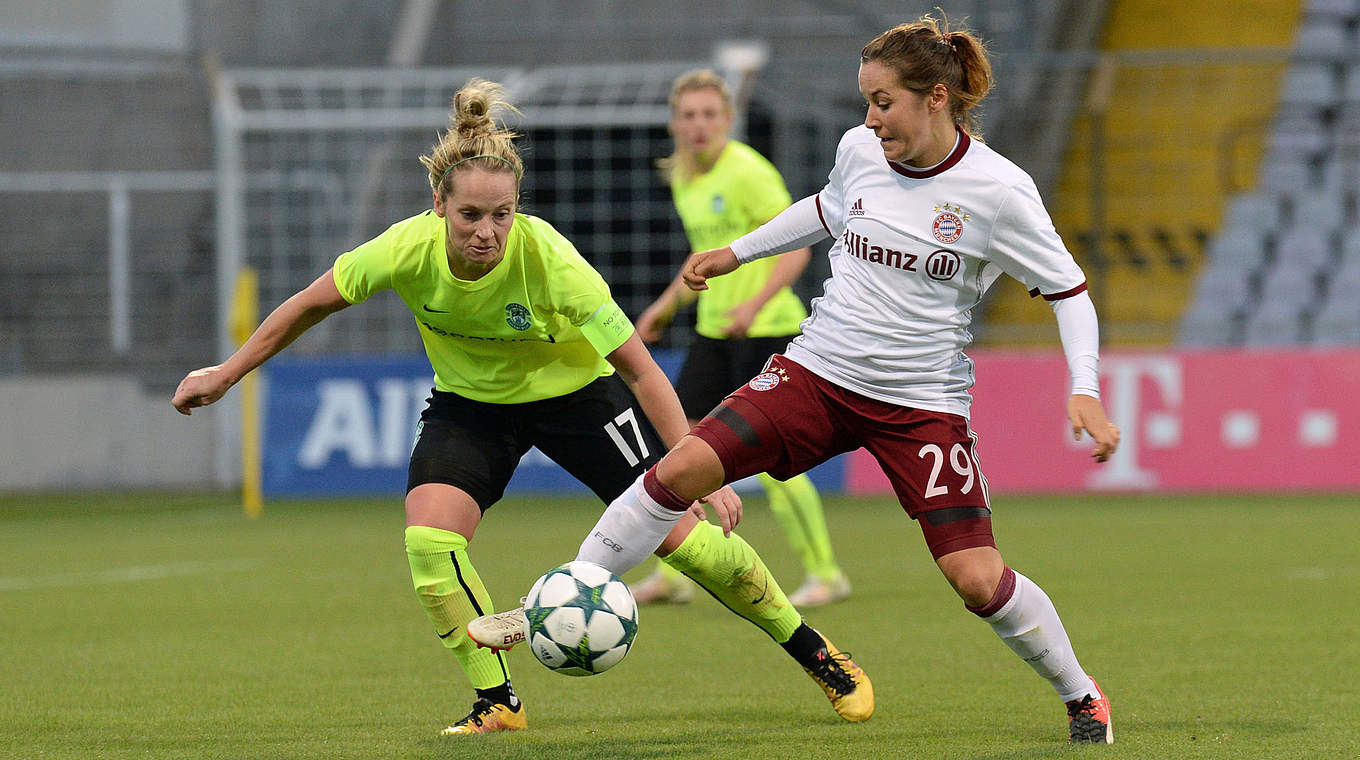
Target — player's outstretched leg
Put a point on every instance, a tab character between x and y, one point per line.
1025	618
731	571
452	594
797	507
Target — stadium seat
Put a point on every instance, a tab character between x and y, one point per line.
1309	85
1334	10
1322	38
1224	286
1322	211
1343	282
1253	211
1206	324
1289	283
1350	91
1298	136
1287	175
1341	175
1337	322
1350	247
1304	247
1274	324
1240	247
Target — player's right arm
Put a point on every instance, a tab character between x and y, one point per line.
291	319
701	266
797	226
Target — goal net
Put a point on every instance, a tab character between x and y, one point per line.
313	162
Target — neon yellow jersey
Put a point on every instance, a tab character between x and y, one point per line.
741	192
536	326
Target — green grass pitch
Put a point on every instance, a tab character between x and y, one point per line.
165	626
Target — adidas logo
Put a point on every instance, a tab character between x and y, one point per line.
857	209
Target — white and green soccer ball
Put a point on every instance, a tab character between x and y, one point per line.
582	619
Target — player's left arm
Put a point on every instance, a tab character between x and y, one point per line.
1079	331
1025	245
654	392
797	226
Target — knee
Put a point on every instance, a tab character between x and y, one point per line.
975	574
975	588
691	470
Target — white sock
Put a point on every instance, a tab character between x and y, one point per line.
1029	625
630	529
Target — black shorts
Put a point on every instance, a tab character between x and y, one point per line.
599	434
715	368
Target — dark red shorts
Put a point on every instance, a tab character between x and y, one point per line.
786	420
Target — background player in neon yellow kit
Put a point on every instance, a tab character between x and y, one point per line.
723	189
528	349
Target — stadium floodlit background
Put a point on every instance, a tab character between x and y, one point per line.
1201	160
153	149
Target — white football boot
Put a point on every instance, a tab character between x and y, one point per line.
500	630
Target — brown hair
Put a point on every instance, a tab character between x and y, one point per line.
477	136
683	163
926	52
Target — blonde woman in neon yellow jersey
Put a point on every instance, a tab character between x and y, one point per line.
723	189
528	349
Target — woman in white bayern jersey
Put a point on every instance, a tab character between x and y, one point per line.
924	217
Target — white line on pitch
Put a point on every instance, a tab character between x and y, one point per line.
125	574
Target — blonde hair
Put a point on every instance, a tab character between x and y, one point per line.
476	136
683	164
926	52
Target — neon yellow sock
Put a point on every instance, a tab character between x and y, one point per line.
452	594
729	569
798	509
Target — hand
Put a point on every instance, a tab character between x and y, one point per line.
727	504
742	315
200	388
1087	414
701	266
653	320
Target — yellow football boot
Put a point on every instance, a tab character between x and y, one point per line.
488	716
845	684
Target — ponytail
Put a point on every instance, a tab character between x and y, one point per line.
927	52
477	136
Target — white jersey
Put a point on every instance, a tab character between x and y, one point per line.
915	250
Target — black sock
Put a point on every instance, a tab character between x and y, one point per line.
804	644
501	695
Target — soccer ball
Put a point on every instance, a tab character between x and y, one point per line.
582	619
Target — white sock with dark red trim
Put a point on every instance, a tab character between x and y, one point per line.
633	525
1025	618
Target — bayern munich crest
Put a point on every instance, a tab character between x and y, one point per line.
948	226
764	381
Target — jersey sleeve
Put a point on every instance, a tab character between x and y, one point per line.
608	328
1079	331
797	226
831	199
575	290
1027	247
582	296
365	270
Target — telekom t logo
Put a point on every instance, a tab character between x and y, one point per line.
1143	419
